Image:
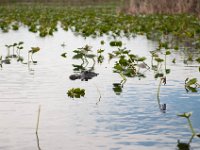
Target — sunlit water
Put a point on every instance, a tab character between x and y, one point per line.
130	121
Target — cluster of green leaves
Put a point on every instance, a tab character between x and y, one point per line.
16	48
76	93
16	54
100	57
127	63
191	85
84	53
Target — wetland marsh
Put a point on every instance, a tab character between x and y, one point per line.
134	77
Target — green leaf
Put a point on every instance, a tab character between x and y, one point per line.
15	44
167	53
141	58
64	55
118	67
158	75
174	60
100	59
117	88
159	60
100	51
111	56
185	115
34	50
123	61
102	42
167	71
78	56
129	72
20	43
190	82
191	89
116	43
77	51
176	47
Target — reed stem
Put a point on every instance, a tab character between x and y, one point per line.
38	119
191	127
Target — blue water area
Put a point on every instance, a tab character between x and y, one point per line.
127	120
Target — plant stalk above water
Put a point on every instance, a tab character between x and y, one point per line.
191	127
38	119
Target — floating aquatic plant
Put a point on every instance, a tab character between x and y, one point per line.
64	55
190	57
117	88
191	84
116	43
100	57
174	60
84	54
176	47
102	42
76	93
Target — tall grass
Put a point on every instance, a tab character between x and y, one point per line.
163	6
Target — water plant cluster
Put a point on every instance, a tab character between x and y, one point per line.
76	92
128	65
90	21
16	54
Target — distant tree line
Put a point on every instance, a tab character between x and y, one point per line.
162	6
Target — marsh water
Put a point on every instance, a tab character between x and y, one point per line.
128	120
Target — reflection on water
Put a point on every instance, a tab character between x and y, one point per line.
38	142
127	115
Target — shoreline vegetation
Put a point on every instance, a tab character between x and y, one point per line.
102	19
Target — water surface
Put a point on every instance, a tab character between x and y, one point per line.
131	120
